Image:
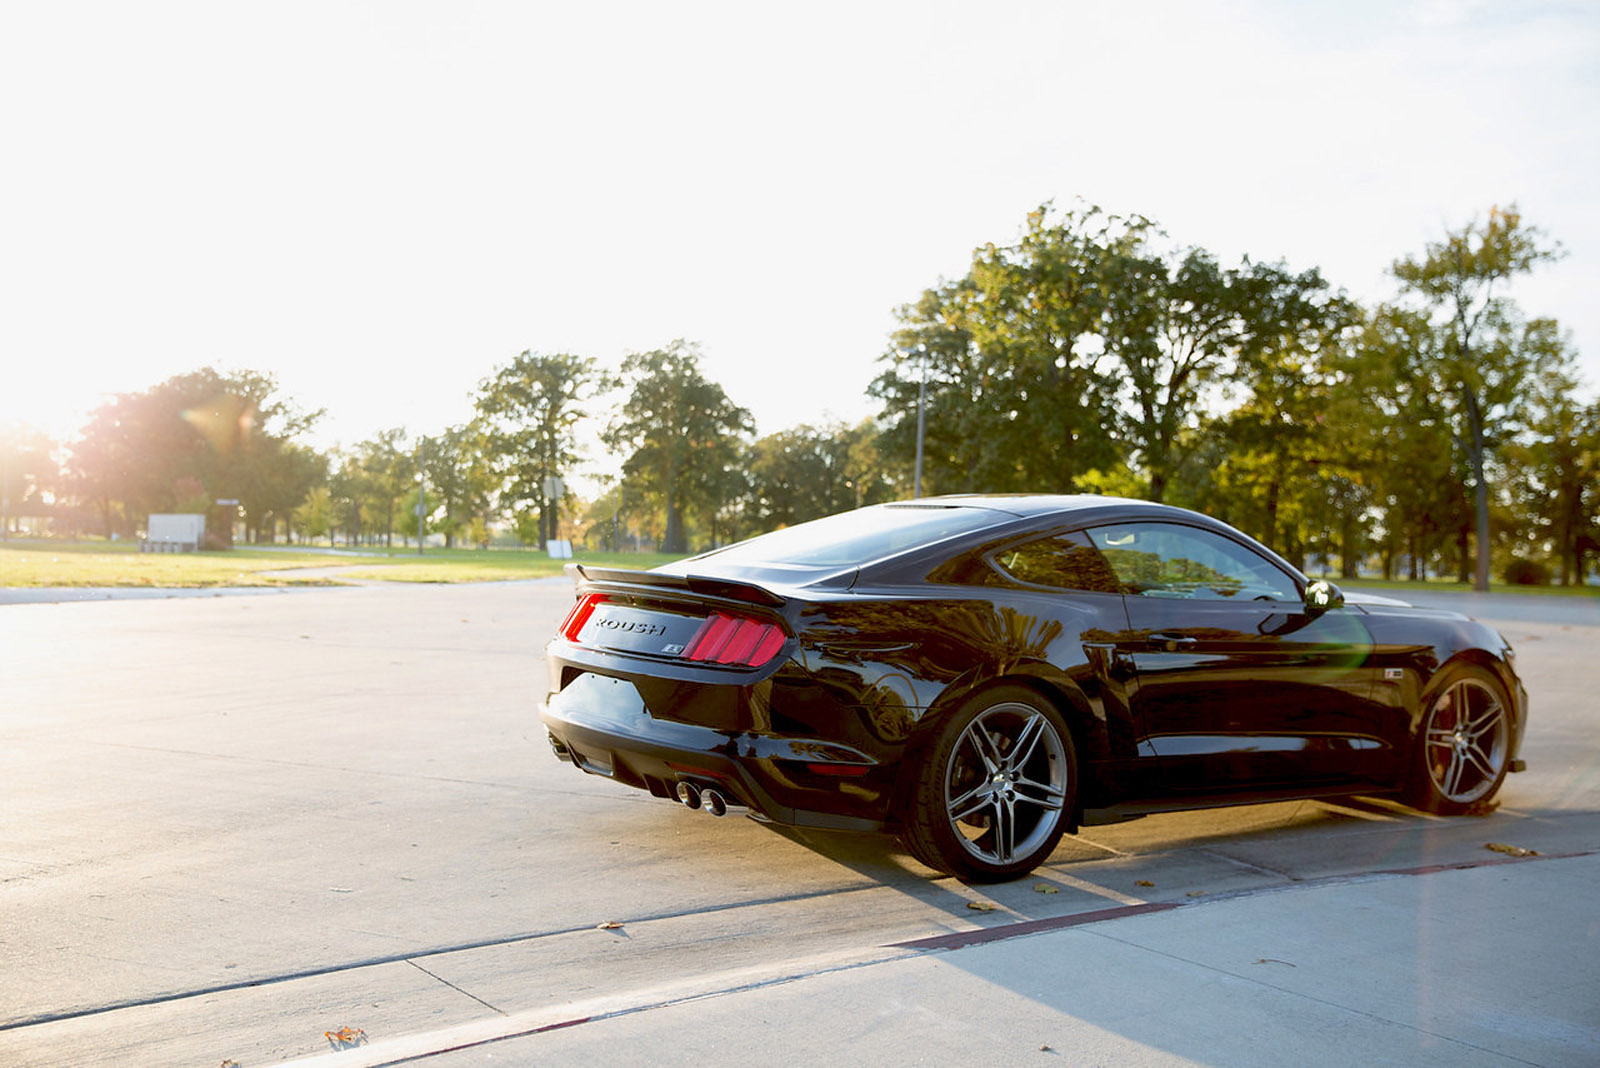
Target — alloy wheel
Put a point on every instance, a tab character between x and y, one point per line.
1006	783
1466	742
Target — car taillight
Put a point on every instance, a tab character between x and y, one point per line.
725	639
580	615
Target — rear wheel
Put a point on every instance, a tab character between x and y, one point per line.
995	788
1465	746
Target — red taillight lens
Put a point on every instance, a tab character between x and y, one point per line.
725	639
580	615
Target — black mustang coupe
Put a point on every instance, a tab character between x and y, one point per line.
975	674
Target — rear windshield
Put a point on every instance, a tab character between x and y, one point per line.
853	538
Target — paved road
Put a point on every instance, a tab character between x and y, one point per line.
233	824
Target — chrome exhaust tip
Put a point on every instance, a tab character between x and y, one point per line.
715	803
689	794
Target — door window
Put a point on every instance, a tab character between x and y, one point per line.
1174	561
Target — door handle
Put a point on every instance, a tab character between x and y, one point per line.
1171	642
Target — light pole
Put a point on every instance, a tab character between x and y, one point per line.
921	350
422	489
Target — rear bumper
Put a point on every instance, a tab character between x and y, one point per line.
601	726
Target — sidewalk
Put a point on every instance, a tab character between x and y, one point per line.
1494	964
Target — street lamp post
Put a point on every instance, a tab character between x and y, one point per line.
422	489
922	402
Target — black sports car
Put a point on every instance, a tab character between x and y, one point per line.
976	674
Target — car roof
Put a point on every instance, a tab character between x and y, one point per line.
1034	505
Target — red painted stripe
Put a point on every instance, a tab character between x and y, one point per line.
959	939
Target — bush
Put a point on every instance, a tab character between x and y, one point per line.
1521	572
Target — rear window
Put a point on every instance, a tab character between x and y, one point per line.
1064	562
852	538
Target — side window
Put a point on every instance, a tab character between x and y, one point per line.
1170	560
1064	562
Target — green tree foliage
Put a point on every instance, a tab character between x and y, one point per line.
1019	389
385	472
1486	352
1553	477
808	472
228	431
528	413
679	434
28	474
460	480
1081	350
1182	326
313	518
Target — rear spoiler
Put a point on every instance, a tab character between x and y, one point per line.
704	585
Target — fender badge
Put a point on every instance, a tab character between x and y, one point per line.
1393	674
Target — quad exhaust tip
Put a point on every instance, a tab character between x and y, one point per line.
689	794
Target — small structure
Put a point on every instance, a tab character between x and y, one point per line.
174	533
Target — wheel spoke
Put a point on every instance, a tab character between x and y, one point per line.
969	802
1042	794
1027	742
1480	760
1452	776
1487	721
984	745
1005	832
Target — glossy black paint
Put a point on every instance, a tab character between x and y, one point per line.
1172	703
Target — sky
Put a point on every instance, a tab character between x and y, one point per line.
381	203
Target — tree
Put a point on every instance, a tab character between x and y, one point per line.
679	432
1553	473
387	465
460	479
314	517
229	431
1482	359
808	472
1179	328
1019	391
28	472
528	412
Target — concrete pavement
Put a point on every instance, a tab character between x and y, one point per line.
1496	964
227	825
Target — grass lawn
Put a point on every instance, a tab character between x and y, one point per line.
1443	586
479	565
102	563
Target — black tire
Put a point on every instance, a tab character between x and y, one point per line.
994	789
1463	746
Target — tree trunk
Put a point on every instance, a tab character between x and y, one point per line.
1480	491
674	540
1349	564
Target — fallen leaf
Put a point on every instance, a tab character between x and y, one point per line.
981	906
1196	893
1481	808
1144	882
1511	850
609	925
1045	888
345	1037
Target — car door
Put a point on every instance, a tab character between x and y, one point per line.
1238	684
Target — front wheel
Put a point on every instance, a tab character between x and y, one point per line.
994	790
1465	745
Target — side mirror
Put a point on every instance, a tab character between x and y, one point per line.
1322	595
